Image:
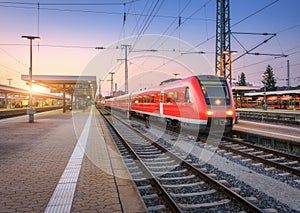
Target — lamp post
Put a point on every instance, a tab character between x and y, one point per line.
30	111
265	106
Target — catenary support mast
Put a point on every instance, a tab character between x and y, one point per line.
223	51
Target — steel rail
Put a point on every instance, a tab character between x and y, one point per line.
167	197
260	159
206	177
273	151
232	194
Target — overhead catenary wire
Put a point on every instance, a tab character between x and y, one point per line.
67	8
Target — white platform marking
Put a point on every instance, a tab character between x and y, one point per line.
62	197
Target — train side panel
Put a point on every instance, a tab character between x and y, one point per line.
194	104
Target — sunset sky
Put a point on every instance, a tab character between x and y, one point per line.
70	31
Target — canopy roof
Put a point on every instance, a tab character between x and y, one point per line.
58	83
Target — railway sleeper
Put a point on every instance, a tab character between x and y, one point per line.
193	193
184	185
205	205
177	178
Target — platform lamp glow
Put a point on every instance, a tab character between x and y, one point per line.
227	65
30	111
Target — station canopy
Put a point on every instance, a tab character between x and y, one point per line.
4	89
73	85
245	88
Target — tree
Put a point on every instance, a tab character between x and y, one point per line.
242	80
270	79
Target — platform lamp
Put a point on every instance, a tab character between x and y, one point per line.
30	111
227	65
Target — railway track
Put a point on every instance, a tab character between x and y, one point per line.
276	159
169	182
273	163
284	165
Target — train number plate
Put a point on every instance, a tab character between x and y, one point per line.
221	122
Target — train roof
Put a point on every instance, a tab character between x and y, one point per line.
283	92
169	80
169	83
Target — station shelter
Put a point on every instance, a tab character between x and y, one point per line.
77	91
14	97
238	92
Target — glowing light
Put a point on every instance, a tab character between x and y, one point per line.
229	112
209	112
37	88
217	101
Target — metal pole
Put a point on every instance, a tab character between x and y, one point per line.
30	112
126	71
265	91
126	46
64	98
230	75
288	74
9	81
111	83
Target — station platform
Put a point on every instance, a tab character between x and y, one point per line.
63	162
283	132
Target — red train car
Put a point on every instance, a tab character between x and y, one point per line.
194	104
286	99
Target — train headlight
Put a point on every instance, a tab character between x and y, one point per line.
229	112
218	101
209	112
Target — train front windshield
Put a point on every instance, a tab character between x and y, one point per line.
215	91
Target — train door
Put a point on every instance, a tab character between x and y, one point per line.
161	103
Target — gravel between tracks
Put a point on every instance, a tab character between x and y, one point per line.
269	186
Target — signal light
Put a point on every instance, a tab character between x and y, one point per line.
209	112
229	112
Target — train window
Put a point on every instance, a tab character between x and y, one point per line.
215	90
176	96
152	98
170	97
187	95
161	99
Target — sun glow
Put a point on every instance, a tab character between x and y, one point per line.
37	88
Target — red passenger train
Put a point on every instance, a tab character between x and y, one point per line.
284	99
195	104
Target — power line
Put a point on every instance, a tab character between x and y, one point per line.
289	28
9	69
71	3
10	55
35	7
57	46
256	12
